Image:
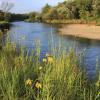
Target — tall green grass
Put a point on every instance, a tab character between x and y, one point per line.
59	78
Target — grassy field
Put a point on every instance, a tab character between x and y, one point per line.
24	77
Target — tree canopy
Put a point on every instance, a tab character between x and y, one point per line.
69	9
72	9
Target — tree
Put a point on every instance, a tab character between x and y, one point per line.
72	10
7	17
39	17
52	14
62	12
32	16
45	11
46	8
1	15
97	7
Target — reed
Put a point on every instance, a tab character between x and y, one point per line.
25	77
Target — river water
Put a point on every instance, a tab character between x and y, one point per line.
27	34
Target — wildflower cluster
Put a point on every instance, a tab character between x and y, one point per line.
29	82
48	59
37	84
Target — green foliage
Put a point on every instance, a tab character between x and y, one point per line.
83	10
72	9
52	14
1	16
97	7
18	17
46	8
32	16
9	17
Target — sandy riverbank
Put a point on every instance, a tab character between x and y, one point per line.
81	30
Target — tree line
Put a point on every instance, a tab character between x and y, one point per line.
69	9
9	17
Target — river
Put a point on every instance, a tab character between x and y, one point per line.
27	34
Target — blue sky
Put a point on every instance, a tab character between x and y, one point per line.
24	6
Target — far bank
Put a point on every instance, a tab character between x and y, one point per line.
81	30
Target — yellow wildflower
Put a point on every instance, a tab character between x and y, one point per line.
29	82
38	85
44	60
40	68
50	59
